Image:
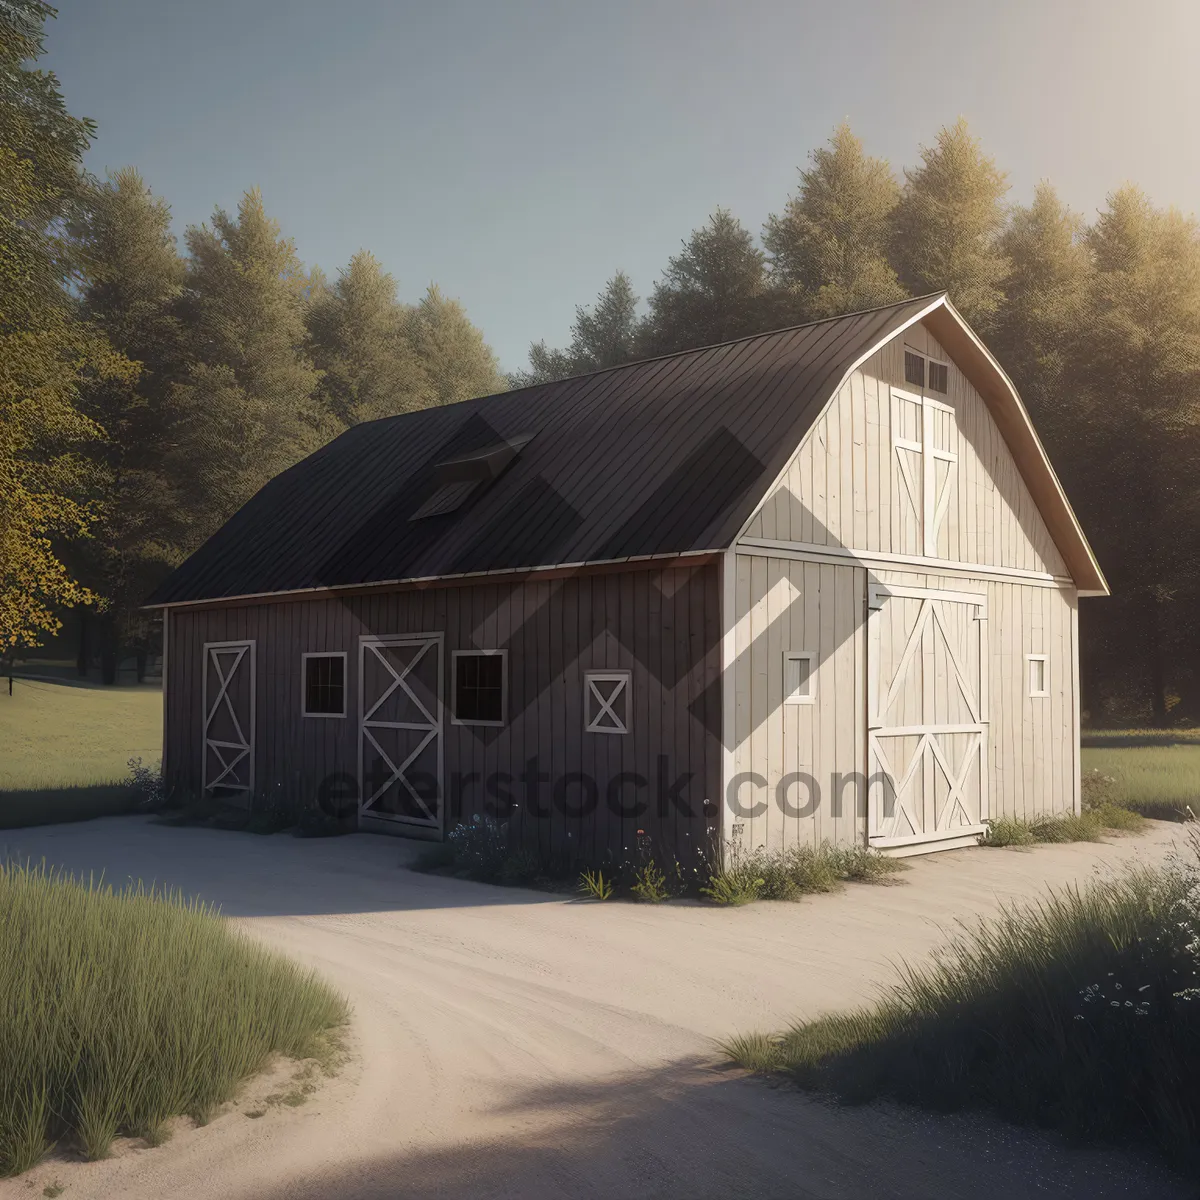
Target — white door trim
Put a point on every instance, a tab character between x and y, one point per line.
228	754
928	753
433	726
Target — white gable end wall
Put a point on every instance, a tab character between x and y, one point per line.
845	488
848	515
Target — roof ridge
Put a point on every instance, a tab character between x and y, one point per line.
747	337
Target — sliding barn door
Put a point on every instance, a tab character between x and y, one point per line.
228	702
927	715
400	729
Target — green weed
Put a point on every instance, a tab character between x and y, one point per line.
650	884
594	886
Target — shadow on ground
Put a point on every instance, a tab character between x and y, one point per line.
21	808
692	1131
256	875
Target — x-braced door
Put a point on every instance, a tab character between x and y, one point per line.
228	701
400	729
927	714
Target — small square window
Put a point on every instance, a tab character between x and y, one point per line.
480	687
914	369
607	704
798	676
1039	676
324	685
939	377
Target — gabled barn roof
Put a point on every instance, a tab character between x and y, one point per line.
663	457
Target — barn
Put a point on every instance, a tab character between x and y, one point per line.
819	584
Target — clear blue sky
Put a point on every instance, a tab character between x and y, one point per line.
519	152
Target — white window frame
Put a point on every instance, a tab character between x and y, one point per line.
941	362
455	655
1044	659
929	358
809	695
304	682
590	693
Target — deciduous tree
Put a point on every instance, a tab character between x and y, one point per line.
133	277
46	353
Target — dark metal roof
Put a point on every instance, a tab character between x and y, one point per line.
666	456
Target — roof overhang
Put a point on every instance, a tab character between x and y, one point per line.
979	365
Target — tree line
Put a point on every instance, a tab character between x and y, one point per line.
147	392
1097	323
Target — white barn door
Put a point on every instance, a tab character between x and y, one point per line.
400	729
228	707
927	715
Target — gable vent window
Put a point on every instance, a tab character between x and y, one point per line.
926	373
324	685
480	687
456	480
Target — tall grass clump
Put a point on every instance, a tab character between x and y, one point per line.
797	871
120	1010
1081	1012
1090	825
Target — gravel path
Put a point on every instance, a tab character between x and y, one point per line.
513	1044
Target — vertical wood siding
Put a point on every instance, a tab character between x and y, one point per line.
844	492
844	488
788	604
662	625
784	604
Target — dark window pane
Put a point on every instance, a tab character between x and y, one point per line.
914	368
325	684
479	687
939	377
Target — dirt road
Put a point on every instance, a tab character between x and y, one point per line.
513	1044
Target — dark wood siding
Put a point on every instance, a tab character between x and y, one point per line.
662	624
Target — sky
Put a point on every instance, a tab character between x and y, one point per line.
518	152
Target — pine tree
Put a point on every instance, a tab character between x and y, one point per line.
828	250
133	277
605	335
246	408
46	353
458	363
714	291
1039	324
358	339
947	225
1137	433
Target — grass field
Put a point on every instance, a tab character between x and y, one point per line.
1157	772
65	748
119	1011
